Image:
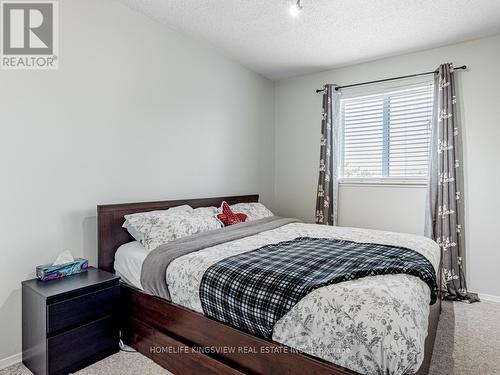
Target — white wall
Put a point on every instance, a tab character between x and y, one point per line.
297	126
383	207
135	112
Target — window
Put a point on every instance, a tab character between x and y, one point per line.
386	136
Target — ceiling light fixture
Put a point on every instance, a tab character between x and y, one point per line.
295	9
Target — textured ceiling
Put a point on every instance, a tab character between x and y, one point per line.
263	36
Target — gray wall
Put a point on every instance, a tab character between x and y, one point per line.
135	112
297	127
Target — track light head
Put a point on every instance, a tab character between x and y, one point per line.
295	9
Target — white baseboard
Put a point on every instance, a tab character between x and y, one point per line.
489	297
9	361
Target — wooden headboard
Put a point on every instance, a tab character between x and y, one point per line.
110	218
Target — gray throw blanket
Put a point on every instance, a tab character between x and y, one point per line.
154	268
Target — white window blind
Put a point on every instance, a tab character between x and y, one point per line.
387	135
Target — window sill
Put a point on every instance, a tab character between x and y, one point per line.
383	183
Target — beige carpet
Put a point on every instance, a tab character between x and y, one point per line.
468	340
468	343
121	363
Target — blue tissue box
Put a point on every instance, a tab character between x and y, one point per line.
50	272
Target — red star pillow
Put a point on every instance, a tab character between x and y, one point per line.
228	217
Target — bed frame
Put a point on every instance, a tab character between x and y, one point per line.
186	342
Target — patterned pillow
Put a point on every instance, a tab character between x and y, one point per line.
227	217
157	228
150	215
254	211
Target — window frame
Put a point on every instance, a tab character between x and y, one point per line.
378	90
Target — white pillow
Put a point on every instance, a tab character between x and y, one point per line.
150	215
206	210
158	228
254	211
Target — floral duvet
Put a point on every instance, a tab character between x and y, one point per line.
372	325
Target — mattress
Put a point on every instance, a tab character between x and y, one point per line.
128	263
371	325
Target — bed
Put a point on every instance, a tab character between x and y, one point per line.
179	337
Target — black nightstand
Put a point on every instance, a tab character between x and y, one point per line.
70	323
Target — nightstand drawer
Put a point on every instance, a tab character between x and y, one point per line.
81	309
74	349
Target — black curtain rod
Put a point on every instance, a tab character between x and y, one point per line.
392	79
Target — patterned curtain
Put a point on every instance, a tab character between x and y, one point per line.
326	200
445	214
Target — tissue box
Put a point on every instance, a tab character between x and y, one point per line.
51	272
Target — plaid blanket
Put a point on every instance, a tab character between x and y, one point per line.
253	290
